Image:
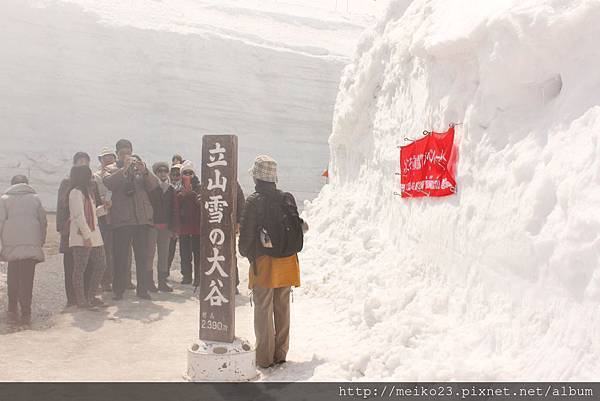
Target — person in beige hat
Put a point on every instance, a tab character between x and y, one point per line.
271	235
264	169
107	158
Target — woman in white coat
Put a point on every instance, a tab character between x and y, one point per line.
85	239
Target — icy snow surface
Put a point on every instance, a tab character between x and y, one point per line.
502	281
79	75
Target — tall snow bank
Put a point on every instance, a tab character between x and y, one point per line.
74	80
501	281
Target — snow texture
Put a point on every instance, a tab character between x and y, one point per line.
501	281
79	75
131	340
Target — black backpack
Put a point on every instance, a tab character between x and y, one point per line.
280	219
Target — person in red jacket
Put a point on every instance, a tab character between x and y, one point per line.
188	227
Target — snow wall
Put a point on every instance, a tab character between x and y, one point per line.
501	281
71	81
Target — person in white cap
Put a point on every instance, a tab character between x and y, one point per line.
271	235
107	158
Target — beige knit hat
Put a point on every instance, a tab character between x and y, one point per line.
264	169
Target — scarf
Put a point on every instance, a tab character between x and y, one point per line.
164	185
88	211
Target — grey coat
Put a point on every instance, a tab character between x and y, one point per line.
22	224
130	198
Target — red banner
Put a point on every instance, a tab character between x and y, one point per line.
427	166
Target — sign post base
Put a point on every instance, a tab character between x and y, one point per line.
217	361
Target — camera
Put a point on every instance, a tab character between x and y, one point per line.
133	173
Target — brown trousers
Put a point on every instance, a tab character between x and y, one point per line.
20	285
271	324
108	238
87	258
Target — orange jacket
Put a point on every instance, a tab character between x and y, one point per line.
275	272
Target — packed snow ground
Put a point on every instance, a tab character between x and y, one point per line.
136	340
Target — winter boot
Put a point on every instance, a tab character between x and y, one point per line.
98	303
164	287
144	295
152	286
26	320
13	317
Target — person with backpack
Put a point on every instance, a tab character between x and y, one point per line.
271	235
85	238
22	235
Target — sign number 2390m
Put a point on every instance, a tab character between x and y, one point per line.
213	325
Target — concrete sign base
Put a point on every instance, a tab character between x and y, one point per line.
217	361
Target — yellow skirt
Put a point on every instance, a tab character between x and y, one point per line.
275	272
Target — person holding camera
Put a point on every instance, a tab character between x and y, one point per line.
131	216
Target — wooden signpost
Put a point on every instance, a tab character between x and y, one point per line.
217	242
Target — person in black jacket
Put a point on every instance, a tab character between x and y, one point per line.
163	204
270	278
